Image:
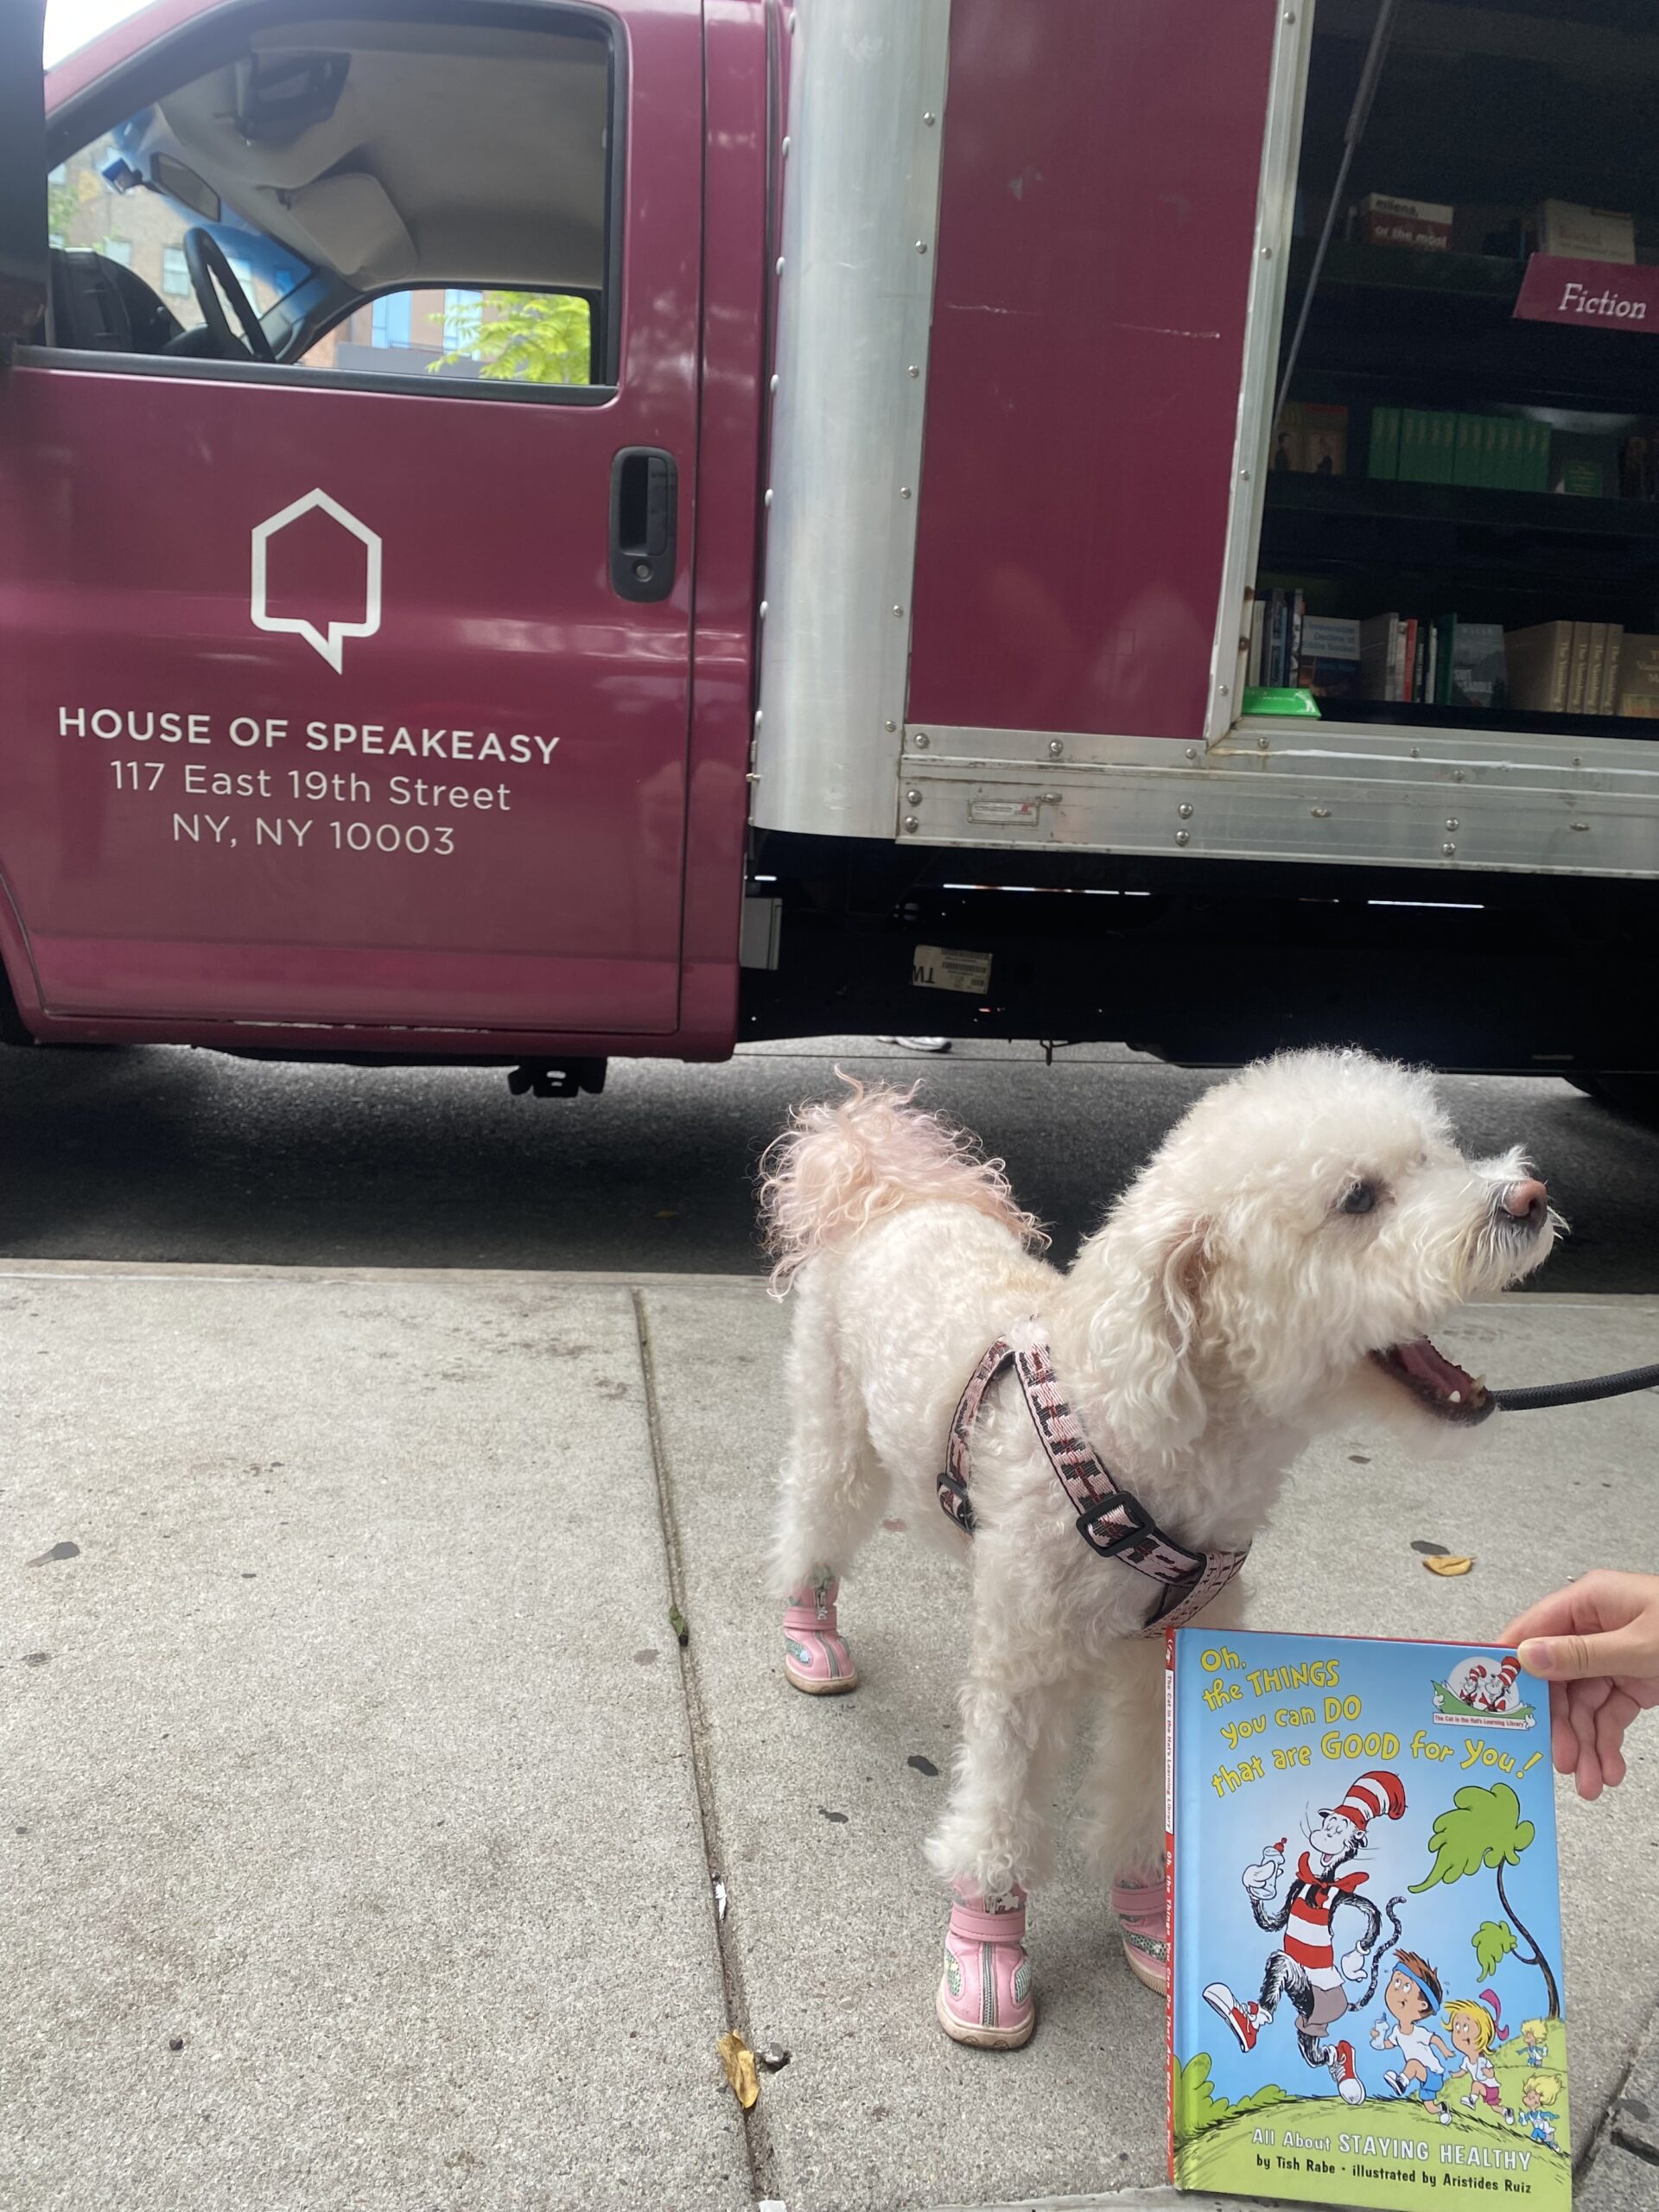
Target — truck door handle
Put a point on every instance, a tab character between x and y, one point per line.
645	511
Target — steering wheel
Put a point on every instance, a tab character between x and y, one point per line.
211	274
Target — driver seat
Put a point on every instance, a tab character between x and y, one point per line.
99	306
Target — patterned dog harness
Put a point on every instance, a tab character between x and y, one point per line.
1111	1522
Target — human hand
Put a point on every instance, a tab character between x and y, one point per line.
1596	1644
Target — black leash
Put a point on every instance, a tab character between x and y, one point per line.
1535	1398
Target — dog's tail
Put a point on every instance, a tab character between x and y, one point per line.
836	1169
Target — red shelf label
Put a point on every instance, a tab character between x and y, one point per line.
1595	294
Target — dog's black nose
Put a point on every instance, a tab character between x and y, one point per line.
1527	1202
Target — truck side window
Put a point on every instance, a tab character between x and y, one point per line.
351	194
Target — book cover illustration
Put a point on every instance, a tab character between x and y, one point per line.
1365	1993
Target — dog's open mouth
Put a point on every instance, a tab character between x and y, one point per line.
1438	1385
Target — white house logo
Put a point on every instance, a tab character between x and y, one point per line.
329	639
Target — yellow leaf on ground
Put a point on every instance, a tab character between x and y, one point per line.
739	2061
1446	1565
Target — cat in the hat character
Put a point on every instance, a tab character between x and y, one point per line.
1488	1687
1307	1970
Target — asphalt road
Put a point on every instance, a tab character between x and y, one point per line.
163	1153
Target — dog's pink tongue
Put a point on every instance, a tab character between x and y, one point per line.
1429	1366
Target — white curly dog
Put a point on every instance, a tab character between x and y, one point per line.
1275	1271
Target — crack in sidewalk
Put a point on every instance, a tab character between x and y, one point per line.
757	2137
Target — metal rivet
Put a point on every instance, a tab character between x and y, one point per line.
904	491
1320	813
1452	821
1182	835
1577	763
1244	474
1416	752
912	371
1049	798
1191	752
912	798
1261	744
1056	749
778	264
1223	689
763	610
921	245
912	824
889	726
773	386
899	612
1267	253
642	571
920	740
768	498
1456	775
1579	825
928	117
1290	14
757	718
1183	810
753	776
1450	850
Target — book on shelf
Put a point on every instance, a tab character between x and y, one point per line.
1311	440
1585	464
1358	2014
1538	659
1575	233
1577	669
1328	662
1472	671
1381	219
1568	668
1638	685
1422	445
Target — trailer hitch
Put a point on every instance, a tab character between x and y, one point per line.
557	1078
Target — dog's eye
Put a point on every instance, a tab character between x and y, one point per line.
1359	1198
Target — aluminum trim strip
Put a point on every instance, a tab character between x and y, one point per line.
1264	315
855	302
1356	794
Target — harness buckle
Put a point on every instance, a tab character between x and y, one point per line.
953	1496
1113	1502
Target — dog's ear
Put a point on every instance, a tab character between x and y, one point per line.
1150	1276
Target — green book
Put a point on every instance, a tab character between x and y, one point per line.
1383	459
1470	449
1442	447
1414	445
1492	430
1534	472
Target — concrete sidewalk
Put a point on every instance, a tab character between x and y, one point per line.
362	1816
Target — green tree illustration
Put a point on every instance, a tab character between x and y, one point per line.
521	337
1484	1828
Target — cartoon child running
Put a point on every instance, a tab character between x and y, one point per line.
1534	2034
1475	2028
1412	1996
1542	2090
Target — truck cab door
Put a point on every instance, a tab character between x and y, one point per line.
345	570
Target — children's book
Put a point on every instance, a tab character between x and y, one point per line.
1364	1924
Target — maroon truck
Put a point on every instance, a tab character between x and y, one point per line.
535	530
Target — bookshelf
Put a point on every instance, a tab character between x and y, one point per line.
1481	115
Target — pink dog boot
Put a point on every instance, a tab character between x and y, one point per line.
1138	1901
985	1992
815	1658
